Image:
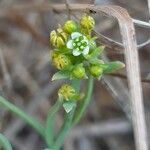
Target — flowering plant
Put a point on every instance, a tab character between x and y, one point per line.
76	56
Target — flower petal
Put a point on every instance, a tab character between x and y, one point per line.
75	35
85	38
76	52
86	41
86	51
70	44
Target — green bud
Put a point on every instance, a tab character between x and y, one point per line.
110	67
53	54
59	38
79	71
70	26
87	22
66	92
96	70
60	61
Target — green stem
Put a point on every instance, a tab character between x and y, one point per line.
76	84
5	143
63	131
28	119
49	135
84	103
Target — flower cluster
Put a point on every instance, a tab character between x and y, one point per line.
76	54
66	92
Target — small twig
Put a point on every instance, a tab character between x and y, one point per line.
68	10
125	77
149	9
6	75
72	7
148	76
141	23
105	128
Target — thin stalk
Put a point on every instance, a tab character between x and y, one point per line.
149	8
64	130
5	143
49	135
28	119
76	84
84	103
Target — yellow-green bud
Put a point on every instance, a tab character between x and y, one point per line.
59	38
63	34
96	70
87	22
70	26
79	71
60	61
53	54
60	42
66	92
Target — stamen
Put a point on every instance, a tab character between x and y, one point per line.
79	44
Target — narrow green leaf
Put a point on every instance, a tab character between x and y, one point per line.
23	115
68	106
81	107
49	135
4	143
63	130
95	53
112	66
96	61
60	75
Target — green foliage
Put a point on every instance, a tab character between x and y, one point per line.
82	61
61	75
5	143
70	26
76	56
79	72
112	66
68	106
24	116
79	56
96	70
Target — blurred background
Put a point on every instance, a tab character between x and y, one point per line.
26	71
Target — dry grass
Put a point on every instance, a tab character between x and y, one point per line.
25	72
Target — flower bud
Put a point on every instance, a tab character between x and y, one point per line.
62	34
70	26
53	37
96	70
79	71
87	22
59	38
66	92
60	61
53	54
60	42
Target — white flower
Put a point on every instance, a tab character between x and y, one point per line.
79	44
